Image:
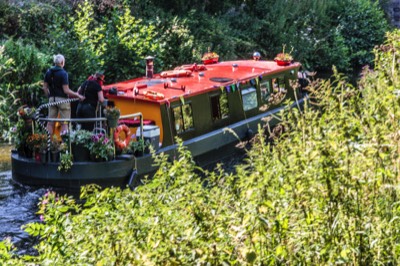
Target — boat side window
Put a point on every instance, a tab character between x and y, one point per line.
249	97
183	118
279	84
266	89
219	106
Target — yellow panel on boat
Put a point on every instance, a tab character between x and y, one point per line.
150	111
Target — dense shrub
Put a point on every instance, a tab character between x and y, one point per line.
326	193
362	25
20	80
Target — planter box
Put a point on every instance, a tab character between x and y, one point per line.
283	62
80	153
210	61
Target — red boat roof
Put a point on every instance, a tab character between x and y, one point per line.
189	80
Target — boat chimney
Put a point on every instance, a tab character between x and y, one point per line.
149	67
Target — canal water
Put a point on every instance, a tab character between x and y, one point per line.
18	206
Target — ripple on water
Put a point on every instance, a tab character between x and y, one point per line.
18	206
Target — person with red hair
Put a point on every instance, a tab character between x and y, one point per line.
93	93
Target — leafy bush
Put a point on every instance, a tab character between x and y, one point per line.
19	83
363	26
326	193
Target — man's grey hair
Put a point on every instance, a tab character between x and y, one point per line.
59	59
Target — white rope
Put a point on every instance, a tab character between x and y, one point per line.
42	124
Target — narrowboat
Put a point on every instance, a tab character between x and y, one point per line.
196	103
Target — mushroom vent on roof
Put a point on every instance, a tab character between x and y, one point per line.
221	79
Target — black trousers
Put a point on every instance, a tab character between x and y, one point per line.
86	110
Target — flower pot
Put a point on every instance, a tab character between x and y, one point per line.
112	122
55	156
138	153
80	153
210	61
21	152
283	62
93	158
37	157
43	157
28	153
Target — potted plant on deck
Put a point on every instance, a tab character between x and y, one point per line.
66	162
33	143
138	147
283	59
210	58
55	148
80	140
20	136
26	114
101	148
43	151
112	114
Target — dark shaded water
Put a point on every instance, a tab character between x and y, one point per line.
18	206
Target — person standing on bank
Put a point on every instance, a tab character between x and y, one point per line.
56	88
93	93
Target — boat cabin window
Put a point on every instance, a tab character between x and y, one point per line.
183	118
219	106
266	89
278	84
249	97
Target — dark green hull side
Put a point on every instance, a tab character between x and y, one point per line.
112	173
215	142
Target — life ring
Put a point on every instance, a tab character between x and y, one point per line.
119	143
176	73
154	95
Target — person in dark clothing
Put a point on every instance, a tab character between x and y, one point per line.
56	88
91	90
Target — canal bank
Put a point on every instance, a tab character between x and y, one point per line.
5	157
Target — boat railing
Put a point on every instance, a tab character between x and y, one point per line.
71	121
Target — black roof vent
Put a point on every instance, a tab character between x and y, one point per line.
221	79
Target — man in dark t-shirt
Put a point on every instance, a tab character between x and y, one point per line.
91	90
56	88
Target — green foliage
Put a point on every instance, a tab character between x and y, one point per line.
211	34
101	147
20	80
66	162
363	26
81	137
91	34
326	193
131	41
9	19
116	36
26	60
322	33
177	43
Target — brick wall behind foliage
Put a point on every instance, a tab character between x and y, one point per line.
393	10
